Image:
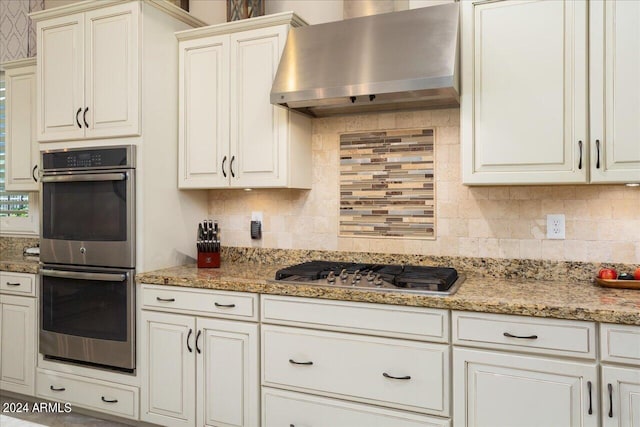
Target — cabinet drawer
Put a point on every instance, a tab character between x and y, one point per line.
285	408
18	283
527	334
390	372
97	395
373	319
620	343
238	305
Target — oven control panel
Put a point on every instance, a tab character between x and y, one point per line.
91	158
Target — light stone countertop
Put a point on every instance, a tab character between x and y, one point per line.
15	262
556	299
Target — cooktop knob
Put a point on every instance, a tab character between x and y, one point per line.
331	277
370	276
343	274
377	281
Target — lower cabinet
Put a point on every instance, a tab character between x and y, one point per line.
493	389
199	371
90	393
18	328
285	408
620	396
620	344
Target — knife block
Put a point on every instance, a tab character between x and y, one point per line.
208	259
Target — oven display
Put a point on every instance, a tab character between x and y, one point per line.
85	159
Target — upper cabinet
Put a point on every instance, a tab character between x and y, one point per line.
527	87
88	74
22	156
230	136
615	90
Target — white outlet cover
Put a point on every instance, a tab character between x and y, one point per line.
555	227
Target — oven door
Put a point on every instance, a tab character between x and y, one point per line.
87	315
88	219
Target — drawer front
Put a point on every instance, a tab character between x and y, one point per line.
233	305
527	334
389	372
620	343
373	319
285	408
18	283
101	396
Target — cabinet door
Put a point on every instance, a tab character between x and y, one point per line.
504	390
18	344
168	369
60	74
620	397
258	129
615	91
228	381
203	125
112	77
21	157
524	89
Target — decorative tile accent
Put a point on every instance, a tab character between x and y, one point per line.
387	184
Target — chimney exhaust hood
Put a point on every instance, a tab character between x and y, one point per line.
389	62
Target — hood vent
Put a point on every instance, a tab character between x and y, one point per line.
389	62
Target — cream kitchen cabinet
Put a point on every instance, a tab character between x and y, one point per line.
21	156
620	370
199	370
530	386
524	101
88	74
230	136
614	91
347	364
18	332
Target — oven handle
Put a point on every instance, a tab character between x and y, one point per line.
103	277
86	177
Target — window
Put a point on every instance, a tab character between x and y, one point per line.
18	211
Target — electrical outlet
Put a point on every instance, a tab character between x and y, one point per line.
555	226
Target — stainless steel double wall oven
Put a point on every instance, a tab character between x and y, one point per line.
87	255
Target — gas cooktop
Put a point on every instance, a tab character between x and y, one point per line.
378	277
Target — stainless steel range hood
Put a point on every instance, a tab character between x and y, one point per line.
394	61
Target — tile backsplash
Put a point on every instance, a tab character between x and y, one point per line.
387	186
602	221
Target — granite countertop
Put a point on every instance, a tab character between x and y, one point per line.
557	299
15	262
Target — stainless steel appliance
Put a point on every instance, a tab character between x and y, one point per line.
377	277
386	62
87	255
88	315
88	207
